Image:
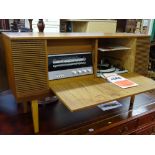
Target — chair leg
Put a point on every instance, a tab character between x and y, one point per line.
35	115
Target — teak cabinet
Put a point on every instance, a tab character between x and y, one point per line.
26	56
27	60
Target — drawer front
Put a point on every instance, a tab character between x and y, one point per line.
146	119
147	130
144	131
153	130
121	129
140	125
88	129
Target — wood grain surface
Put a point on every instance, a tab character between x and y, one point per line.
87	91
37	35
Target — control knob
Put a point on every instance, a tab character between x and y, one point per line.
79	71
84	71
74	72
89	70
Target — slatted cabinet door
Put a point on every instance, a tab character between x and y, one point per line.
142	55
29	67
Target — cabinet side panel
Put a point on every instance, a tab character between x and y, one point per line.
142	55
9	63
3	77
30	67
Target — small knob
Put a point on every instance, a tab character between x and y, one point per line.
74	72
59	76
79	71
84	71
89	70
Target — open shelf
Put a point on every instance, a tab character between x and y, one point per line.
113	48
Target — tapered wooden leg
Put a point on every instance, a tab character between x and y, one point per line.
131	102
35	115
25	107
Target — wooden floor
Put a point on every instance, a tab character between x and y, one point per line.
56	118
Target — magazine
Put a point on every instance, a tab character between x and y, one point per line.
119	80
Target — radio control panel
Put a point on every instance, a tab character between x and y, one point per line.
70	73
69	65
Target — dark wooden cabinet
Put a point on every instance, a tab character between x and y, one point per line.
142	125
126	123
144	131
122	129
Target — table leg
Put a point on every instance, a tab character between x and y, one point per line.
131	102
35	115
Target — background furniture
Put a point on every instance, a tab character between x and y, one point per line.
126	25
106	26
50	25
77	25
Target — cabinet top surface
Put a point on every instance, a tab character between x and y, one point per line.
37	35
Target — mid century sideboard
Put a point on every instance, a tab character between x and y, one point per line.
27	68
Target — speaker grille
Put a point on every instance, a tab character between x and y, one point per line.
30	67
142	56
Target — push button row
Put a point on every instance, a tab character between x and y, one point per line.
82	71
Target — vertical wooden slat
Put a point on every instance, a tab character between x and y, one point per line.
142	55
95	56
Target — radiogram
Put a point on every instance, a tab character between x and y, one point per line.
35	58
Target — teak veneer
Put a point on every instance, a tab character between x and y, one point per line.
78	93
27	67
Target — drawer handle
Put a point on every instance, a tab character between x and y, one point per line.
124	129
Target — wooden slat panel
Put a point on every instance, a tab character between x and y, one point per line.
30	66
142	55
